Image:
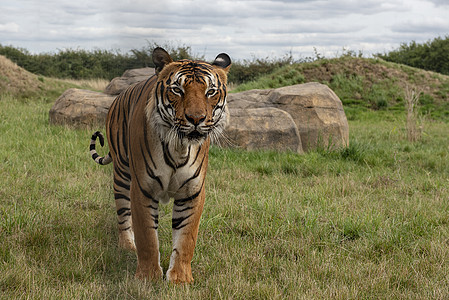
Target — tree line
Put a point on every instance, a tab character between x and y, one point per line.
107	64
83	64
432	55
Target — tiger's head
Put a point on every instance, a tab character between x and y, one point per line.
189	98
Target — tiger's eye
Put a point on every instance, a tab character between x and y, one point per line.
210	92
176	90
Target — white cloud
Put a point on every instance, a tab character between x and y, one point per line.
428	25
240	27
440	2
9	27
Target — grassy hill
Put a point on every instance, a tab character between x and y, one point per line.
370	221
16	80
365	83
21	84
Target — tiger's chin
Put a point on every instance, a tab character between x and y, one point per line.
195	135
194	138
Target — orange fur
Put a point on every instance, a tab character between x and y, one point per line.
159	134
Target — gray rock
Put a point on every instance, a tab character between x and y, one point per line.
80	108
297	118
314	107
263	128
129	77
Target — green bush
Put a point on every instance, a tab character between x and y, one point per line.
250	70
69	63
283	76
83	64
432	55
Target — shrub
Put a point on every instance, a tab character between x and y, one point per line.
432	55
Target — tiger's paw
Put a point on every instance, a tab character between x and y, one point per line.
180	274
126	240
153	274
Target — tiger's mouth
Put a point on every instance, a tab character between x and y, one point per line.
195	135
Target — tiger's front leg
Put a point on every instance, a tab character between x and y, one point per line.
145	224
185	223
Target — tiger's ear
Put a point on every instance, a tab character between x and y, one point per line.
160	59
223	61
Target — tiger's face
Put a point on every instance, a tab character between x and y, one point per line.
190	98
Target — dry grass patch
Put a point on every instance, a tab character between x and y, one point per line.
16	80
97	84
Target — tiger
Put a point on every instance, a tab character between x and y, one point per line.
159	132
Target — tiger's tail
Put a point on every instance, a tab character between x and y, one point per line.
95	156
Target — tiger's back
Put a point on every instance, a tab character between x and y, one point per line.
159	135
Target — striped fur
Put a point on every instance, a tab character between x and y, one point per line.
93	152
159	133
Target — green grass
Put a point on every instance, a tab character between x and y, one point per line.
364	83
370	221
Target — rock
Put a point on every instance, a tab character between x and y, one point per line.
249	99
263	128
314	107
298	118
318	113
80	107
119	84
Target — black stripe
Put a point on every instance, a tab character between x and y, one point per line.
152	207
94	156
92	147
125	132
196	157
186	161
139	88
167	157
147	145
145	193
195	175
161	93
184	209
117	150
150	171
181	202
121	184
122	174
118	196
155	218
176	222
98	133
126	175
121	140
122	210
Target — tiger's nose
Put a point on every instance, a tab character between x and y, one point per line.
195	119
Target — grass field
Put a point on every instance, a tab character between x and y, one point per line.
369	222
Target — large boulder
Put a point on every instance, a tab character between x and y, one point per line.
80	108
263	128
119	84
314	107
296	118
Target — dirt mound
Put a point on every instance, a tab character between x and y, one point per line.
378	72
16	80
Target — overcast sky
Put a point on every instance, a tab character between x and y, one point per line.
242	29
